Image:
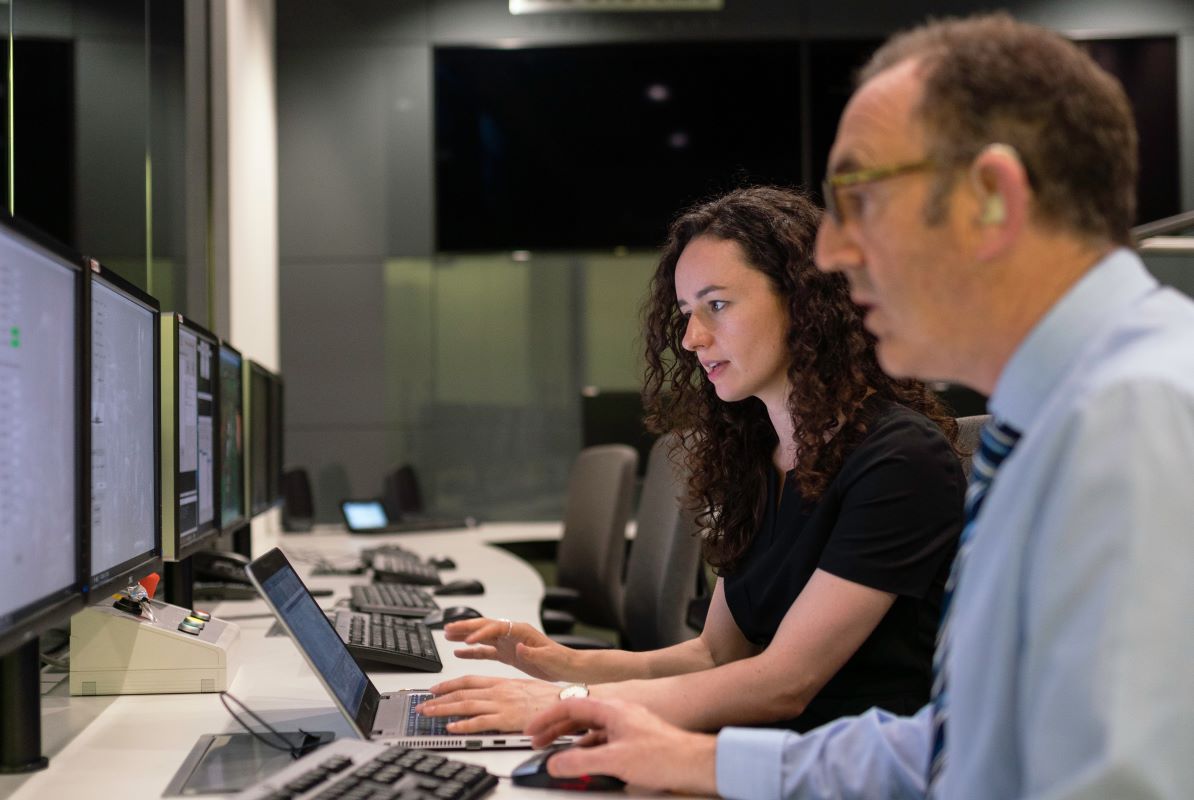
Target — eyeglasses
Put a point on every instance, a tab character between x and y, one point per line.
831	185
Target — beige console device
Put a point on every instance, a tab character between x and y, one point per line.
179	651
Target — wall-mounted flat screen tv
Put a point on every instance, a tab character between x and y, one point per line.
600	146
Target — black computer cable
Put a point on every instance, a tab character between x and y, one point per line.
297	750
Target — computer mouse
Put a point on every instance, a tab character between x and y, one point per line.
441	562
461	587
533	772
442	616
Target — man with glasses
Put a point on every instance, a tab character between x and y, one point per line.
980	193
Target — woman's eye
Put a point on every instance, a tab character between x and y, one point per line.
717	305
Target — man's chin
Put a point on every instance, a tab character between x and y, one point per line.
894	359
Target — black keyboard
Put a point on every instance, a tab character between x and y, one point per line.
399	599
388	640
411	524
401	568
349	768
368	553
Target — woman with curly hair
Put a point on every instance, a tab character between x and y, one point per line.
833	496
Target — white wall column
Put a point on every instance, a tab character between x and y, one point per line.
244	182
245	174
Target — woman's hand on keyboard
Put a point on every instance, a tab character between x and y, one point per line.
516	644
489	704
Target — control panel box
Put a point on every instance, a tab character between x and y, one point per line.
114	651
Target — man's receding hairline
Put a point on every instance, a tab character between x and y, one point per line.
920	68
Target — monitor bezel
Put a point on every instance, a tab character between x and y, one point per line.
247	386
119	576
29	621
274	435
173	549
244	517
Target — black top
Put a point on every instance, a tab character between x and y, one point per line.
889	520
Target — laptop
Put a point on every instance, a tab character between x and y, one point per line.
369	516
387	717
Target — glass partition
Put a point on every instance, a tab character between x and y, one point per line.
485	359
95	152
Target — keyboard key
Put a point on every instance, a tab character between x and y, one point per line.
378	774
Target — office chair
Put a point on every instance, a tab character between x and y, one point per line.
400	493
968	432
298	509
664	568
593	546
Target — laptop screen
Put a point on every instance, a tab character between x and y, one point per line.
315	636
363	515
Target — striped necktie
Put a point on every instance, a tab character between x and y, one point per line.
995	443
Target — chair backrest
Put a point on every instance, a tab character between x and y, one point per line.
592	548
298	509
665	560
400	492
968	431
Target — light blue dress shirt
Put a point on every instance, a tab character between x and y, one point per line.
1072	669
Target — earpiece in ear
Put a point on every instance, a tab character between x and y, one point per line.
993	211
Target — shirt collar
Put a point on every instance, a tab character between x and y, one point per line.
1053	345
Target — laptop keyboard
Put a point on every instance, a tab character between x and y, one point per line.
388	640
351	768
419	725
402	568
393	598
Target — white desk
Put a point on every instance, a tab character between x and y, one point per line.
489	533
130	746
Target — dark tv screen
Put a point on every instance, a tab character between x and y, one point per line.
600	146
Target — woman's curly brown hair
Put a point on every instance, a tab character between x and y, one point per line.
728	446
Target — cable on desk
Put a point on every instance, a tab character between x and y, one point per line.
57	663
310	741
54	648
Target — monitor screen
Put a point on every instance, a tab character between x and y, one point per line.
232	441
364	515
39	436
317	639
124	444
190	357
259	403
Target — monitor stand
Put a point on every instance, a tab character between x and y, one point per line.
20	697
242	541
179	583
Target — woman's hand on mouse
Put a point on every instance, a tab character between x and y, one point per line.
516	644
629	742
490	704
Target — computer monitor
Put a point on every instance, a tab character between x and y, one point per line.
258	405
43	566
189	377
274	438
231	447
125	530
